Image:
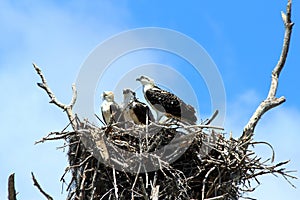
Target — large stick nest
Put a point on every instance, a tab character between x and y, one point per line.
207	165
191	162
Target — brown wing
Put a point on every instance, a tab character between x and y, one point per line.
170	104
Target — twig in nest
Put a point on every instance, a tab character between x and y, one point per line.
100	119
145	195
35	183
135	179
204	181
208	121
82	186
115	183
221	197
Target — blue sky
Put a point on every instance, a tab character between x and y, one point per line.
243	38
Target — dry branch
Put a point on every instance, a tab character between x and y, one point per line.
272	101
11	188
53	99
35	183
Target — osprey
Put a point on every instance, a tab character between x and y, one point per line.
166	102
135	110
111	111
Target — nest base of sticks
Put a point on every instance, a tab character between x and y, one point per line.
171	161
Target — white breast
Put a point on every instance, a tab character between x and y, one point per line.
106	110
127	113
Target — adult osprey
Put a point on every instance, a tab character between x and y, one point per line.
135	110
111	111
166	102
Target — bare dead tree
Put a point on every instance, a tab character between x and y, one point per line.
226	172
272	101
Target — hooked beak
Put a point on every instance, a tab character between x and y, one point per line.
138	79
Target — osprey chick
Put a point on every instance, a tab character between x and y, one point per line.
135	110
111	111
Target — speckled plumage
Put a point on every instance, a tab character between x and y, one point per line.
166	102
136	110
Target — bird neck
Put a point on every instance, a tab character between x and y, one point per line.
148	86
127	100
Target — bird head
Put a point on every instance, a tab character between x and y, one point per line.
108	96
145	80
128	95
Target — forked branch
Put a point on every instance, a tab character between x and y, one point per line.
53	99
272	101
